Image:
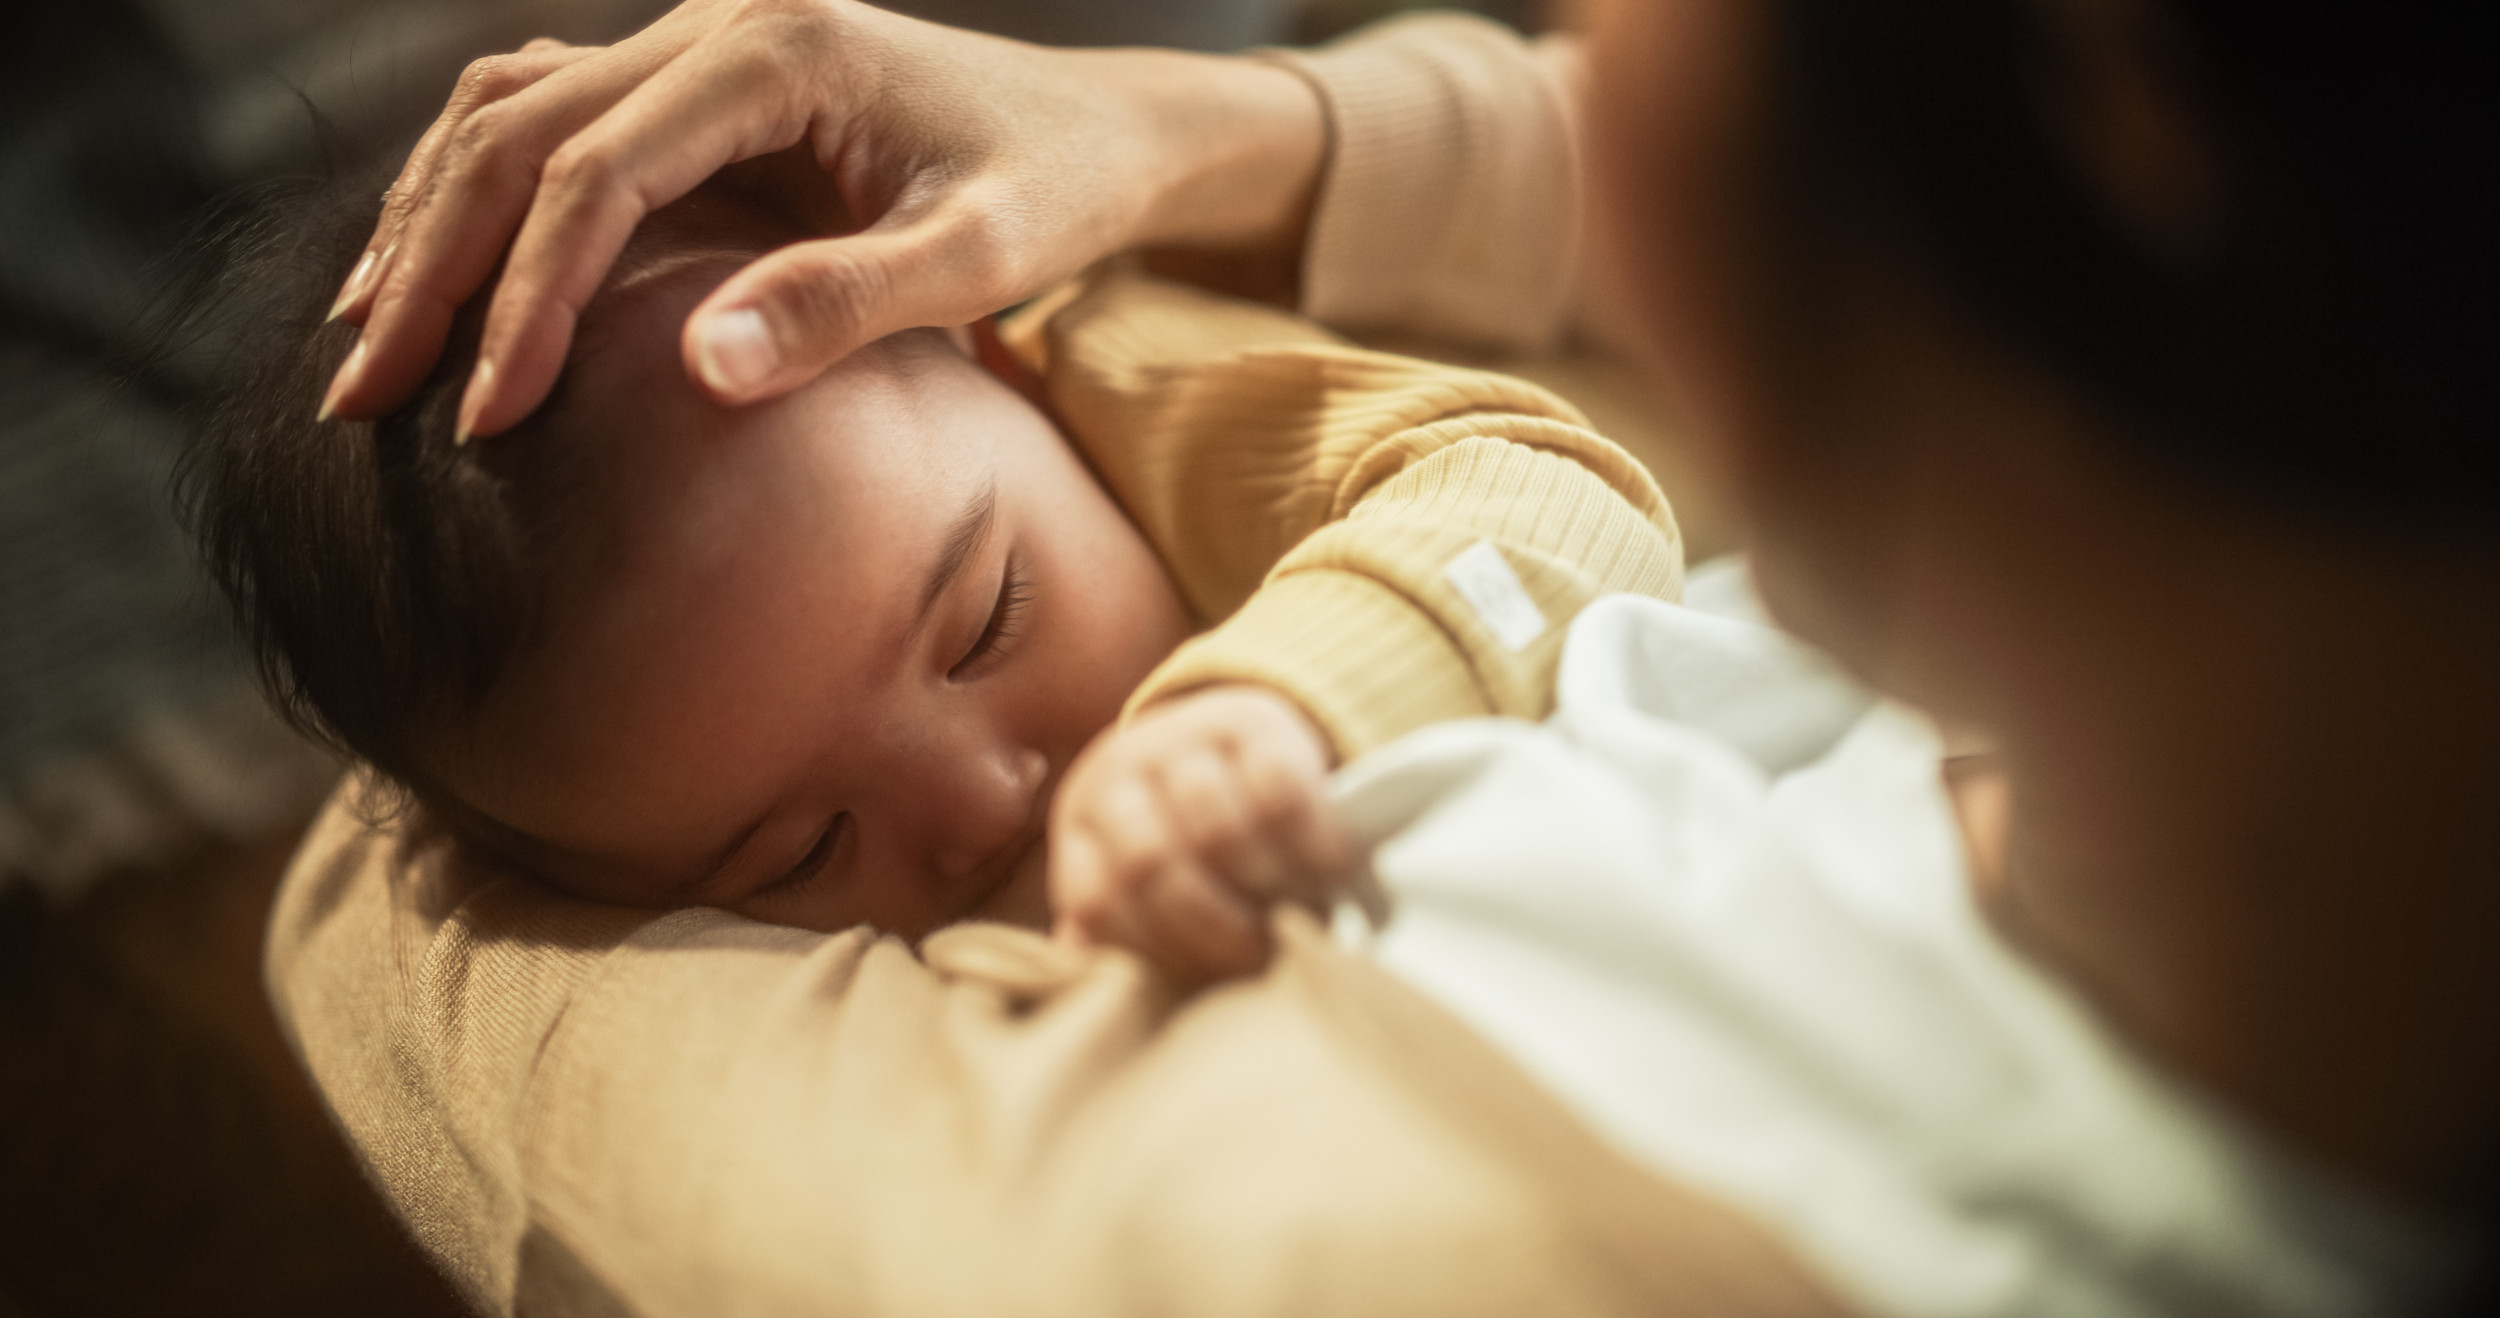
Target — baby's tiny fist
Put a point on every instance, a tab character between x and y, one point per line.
1175	832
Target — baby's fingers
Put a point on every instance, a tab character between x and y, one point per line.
1122	874
1286	797
1198	928
1108	837
1080	909
1213	815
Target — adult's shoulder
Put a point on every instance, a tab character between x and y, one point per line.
690	1112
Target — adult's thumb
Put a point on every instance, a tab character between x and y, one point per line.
787	316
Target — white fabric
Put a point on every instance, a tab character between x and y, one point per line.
1717	904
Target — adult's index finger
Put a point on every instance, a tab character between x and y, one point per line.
483	83
457	228
695	117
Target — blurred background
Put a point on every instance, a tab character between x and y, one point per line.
158	1150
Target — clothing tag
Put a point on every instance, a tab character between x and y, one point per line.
1484	578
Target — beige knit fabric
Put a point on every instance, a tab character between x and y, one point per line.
585	1110
1260	455
588	1111
1452	205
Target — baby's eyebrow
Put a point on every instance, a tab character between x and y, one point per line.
971	528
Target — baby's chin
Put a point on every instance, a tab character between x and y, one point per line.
1024	899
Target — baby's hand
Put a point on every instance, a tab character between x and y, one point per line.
1173	834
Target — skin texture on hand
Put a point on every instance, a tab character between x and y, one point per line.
957	173
1176	831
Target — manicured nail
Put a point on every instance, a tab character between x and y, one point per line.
734	350
342	382
355	284
481	390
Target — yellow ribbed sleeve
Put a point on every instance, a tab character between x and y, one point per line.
1390	542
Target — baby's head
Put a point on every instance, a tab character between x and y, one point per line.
819	660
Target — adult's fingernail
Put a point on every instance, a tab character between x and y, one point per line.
734	350
355	284
481	390
342	382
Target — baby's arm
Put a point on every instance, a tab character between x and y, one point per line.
1380	543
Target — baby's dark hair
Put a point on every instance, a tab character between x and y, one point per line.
383	576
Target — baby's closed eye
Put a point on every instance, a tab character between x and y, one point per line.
811	867
1006	620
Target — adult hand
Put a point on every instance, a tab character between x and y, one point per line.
976	171
1175	832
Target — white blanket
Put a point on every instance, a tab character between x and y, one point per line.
1717	903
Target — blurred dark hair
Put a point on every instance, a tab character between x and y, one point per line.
2325	344
383	576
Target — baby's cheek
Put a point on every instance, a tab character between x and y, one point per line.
1151	621
1128	649
1129	620
1025	898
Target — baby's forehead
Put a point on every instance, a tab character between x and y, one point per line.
626	368
677	256
646	437
648	446
699	234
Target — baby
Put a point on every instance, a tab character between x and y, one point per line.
850	656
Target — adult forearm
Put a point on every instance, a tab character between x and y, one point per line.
1421	177
1241	148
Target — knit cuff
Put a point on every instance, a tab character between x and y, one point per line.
1367	664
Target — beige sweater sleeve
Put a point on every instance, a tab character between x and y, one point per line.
1391	542
1451	207
581	1110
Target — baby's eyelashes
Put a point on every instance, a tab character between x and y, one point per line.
1006	620
813	865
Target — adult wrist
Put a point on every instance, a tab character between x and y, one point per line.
1241	144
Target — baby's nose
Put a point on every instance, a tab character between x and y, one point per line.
988	806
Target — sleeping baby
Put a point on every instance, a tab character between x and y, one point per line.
1068	627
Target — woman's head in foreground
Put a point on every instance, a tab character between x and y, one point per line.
819	660
2119	375
2224	260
